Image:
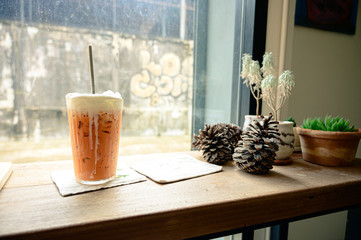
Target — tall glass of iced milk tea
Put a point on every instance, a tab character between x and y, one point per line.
94	122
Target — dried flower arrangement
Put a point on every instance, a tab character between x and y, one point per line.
264	84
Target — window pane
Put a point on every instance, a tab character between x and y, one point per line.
219	95
143	49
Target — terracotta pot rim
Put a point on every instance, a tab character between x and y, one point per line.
328	134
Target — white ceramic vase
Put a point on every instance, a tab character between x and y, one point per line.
286	146
248	119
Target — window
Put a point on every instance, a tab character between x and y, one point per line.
175	62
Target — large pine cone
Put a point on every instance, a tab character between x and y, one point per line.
257	150
213	141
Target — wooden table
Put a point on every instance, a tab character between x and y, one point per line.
32	208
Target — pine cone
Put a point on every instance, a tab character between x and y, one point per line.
234	134
214	143
257	150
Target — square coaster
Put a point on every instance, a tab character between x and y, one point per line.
67	185
172	168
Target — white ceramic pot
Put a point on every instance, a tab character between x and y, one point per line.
248	119
286	147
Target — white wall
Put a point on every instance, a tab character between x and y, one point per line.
327	67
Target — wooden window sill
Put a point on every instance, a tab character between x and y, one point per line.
32	208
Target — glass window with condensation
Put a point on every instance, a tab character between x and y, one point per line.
143	49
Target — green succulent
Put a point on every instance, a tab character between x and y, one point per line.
290	119
335	124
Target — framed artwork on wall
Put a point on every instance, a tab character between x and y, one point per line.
336	15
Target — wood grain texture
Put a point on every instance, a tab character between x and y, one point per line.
31	207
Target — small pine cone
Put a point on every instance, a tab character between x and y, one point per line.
257	150
212	140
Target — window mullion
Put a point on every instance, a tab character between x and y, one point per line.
200	64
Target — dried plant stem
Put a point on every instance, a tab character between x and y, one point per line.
272	103
275	107
257	100
257	97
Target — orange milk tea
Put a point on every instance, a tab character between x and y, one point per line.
94	122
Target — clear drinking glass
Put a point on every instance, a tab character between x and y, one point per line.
94	122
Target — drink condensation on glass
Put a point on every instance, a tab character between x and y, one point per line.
94	122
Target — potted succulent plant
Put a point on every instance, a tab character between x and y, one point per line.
329	142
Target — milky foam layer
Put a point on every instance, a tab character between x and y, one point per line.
107	101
